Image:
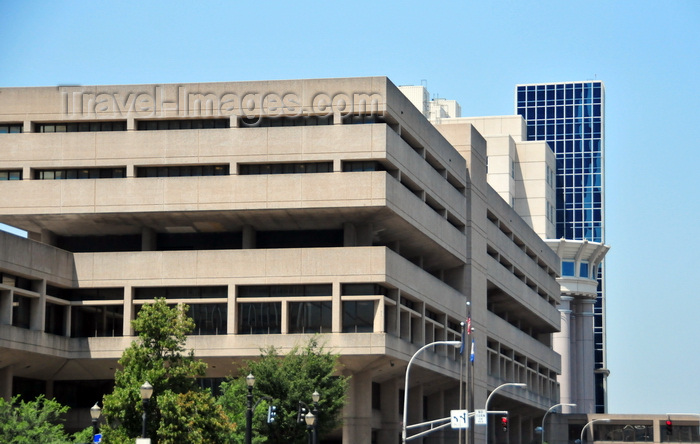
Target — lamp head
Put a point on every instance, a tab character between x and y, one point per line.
146	391
250	380
310	419
316	396
95	412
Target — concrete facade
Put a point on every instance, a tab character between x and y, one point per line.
276	210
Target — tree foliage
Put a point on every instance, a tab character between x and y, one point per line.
32	422
287	380
159	357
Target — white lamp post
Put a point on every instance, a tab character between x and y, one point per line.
583	430
549	411
486	407
405	389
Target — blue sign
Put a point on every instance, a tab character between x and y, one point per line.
98	438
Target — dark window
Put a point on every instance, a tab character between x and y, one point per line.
21	310
358	316
55	318
78	127
86	294
89	321
177	124
310	317
259	318
10	128
181	292
81	394
270	122
183	171
299	239
10	174
80	173
285	168
363	290
284	291
368	165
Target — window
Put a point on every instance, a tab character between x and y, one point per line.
285	168
11	128
79	127
271	291
260	318
89	321
358	316
10	174
567	268
159	125
80	173
583	272
181	292
183	171
310	317
269	122
368	165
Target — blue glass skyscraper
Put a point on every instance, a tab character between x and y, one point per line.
570	117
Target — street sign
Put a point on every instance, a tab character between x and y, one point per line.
480	417
460	419
98	438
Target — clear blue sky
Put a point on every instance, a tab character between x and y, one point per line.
646	52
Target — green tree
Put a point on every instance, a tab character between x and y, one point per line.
32	422
159	357
287	380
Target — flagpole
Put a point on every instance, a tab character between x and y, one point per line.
470	363
462	401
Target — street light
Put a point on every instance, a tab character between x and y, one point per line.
250	382
405	389
310	419
548	412
315	397
95	413
486	407
583	430
146	393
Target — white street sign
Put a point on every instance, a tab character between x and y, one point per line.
480	417
460	419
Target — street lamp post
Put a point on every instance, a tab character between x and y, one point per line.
310	419
549	411
146	392
315	397
486	407
95	412
405	389
590	423
250	382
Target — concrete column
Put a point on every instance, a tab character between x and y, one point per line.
436	409
129	311
232	311
391	428
415	409
48	237
349	235
562	345
336	309
248	237
357	414
149	239
37	315
6	307
6	375
587	378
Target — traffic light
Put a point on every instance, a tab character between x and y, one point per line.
271	414
301	413
669	427
504	423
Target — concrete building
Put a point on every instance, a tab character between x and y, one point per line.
276	210
434	109
570	117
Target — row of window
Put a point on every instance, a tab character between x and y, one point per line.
210	292
79	127
11	128
562	112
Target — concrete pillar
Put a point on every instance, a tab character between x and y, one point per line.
562	345
149	239
129	311
248	237
6	375
48	237
357	414
37	315
232	311
415	409
6	307
349	235
391	420
587	378
336	309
